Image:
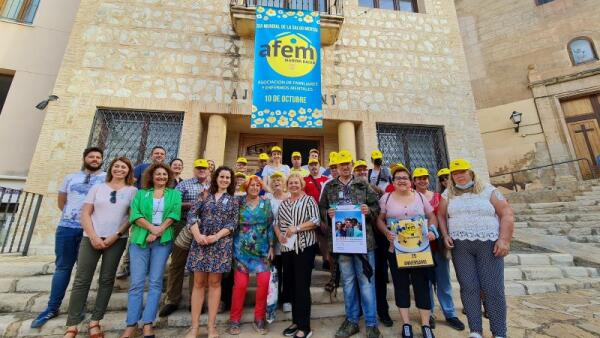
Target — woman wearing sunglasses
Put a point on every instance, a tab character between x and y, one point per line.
105	222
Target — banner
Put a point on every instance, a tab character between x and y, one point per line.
411	244
287	69
349	230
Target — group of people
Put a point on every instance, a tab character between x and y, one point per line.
224	225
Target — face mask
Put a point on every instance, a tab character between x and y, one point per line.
378	161
465	186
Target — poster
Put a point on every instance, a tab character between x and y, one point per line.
349	231
287	69
411	244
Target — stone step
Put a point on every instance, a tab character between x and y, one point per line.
563	224
557	210
591	217
565	204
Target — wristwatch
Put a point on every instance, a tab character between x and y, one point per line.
297	228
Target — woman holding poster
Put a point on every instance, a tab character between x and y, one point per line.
408	221
297	219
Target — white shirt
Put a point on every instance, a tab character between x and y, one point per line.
107	217
158	208
472	216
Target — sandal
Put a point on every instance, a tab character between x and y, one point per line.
190	333
149	335
215	334
234	328
95	335
72	331
133	333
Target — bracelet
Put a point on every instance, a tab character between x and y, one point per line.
298	229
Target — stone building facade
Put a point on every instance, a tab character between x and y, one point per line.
538	58
392	79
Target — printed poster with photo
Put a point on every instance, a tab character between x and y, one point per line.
349	231
411	244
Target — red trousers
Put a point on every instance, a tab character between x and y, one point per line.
240	285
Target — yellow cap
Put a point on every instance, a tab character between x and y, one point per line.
240	174
420	172
333	158
200	163
263	157
276	174
242	160
443	171
397	166
296	154
459	164
344	156
276	148
359	163
376	154
313	160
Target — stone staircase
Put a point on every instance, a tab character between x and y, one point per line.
25	284
569	225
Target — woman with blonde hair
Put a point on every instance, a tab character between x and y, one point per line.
477	224
297	219
278	194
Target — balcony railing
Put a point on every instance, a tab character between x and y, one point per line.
22	11
18	215
243	15
330	7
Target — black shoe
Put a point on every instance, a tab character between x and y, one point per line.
455	323
427	332
386	320
167	309
432	321
291	330
306	334
407	331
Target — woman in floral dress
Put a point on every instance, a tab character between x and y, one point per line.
212	221
253	252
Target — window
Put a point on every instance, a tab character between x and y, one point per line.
581	50
5	81
304	5
413	146
541	2
133	133
19	10
398	5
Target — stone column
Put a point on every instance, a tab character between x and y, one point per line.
215	139
347	137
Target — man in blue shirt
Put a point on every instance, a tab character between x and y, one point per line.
69	232
157	155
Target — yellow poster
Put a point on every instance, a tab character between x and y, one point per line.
411	245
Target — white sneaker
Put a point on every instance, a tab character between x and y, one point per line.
475	335
287	307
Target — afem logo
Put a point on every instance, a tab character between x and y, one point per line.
290	54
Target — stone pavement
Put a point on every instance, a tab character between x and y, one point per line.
560	315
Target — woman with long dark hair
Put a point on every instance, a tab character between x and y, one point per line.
212	221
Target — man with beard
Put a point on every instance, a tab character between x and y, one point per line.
313	154
69	232
190	190
157	155
381	266
379	175
356	269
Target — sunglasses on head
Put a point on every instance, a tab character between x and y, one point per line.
401	178
443	178
113	197
87	179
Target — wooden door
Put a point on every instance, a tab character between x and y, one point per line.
582	116
252	145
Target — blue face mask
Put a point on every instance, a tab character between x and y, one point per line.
465	186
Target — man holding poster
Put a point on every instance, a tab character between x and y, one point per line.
346	198
407	220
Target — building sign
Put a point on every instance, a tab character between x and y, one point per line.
287	69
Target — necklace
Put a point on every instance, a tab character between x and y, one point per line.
157	209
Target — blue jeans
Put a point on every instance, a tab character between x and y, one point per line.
66	249
352	274
444	288
149	261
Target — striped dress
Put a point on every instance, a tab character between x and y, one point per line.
293	213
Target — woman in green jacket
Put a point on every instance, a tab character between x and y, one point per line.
153	211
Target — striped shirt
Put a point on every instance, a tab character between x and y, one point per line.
293	213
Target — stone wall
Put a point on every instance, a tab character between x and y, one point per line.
182	55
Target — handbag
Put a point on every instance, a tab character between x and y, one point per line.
185	237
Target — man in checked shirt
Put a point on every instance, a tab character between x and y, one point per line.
190	191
